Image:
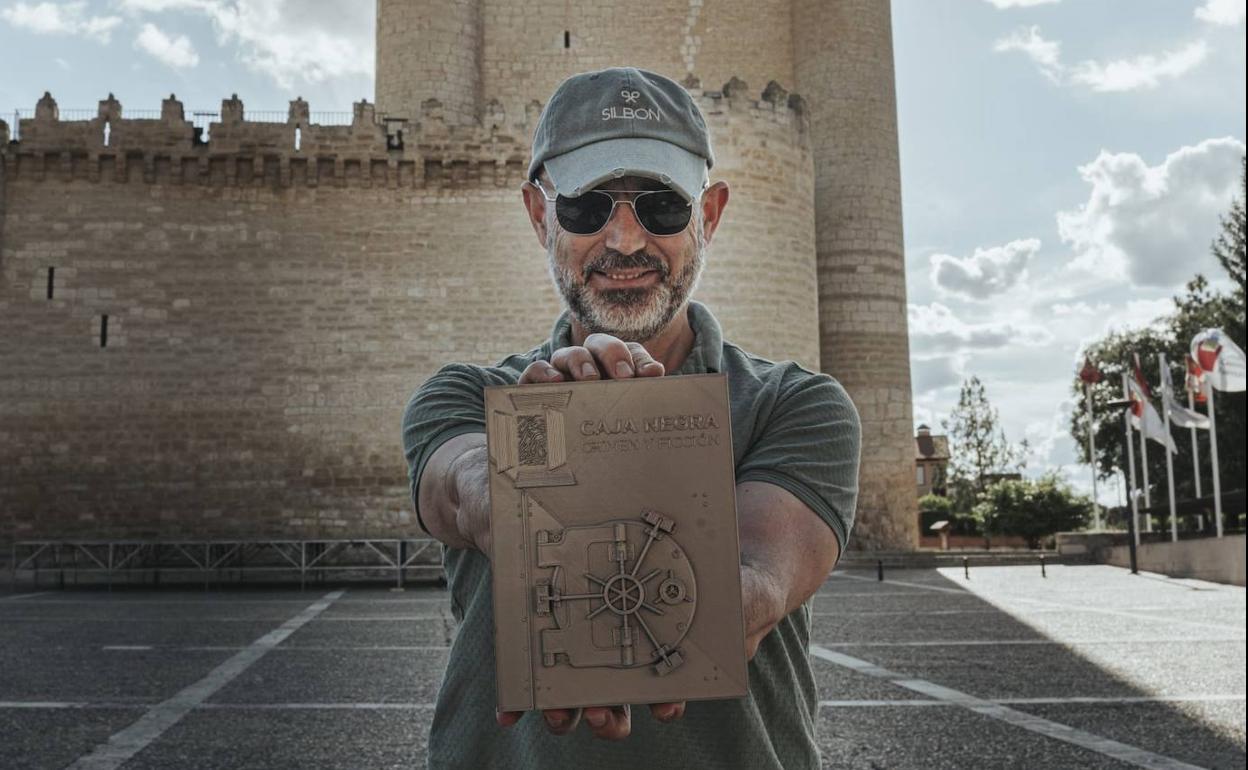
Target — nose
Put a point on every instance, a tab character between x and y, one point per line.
623	232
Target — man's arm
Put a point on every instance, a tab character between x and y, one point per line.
786	553
453	493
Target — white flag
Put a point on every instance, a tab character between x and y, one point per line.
1221	358
1180	415
1145	419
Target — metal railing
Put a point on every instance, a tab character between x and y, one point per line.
216	561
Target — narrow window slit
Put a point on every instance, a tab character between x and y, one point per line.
104	331
298	138
51	281
108	130
567	39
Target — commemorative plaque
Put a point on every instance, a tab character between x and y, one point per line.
616	560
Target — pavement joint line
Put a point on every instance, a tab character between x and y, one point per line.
1060	606
210	619
124	744
193	602
941	589
846	703
1121	751
1036	642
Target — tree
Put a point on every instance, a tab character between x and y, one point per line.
1032	509
977	446
1229	245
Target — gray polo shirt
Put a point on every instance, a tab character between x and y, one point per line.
790	427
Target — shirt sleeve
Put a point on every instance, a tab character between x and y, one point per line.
810	447
449	404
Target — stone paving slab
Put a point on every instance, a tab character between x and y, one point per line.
342	676
290	740
76	674
1179	730
49	738
940	738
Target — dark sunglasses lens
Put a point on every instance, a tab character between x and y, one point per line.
663	213
584	214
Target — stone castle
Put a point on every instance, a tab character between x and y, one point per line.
215	336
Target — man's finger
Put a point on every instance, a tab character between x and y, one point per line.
562	721
614	358
612	724
667	712
507	718
644	363
575	362
540	371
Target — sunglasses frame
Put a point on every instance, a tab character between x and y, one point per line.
616	202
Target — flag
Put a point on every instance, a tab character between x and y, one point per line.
1139	378
1089	373
1180	415
1221	359
1144	417
1195	380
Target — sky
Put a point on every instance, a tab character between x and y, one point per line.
1063	162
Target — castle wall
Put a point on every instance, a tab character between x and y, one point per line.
271	309
844	58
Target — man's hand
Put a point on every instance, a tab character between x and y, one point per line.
602	357
612	723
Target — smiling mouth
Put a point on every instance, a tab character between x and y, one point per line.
622	279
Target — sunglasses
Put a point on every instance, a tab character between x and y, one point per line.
660	212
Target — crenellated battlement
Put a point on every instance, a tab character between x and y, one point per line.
373	150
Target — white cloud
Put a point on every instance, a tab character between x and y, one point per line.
175	52
1131	74
1222	12
1047	54
60	19
935	329
1140	72
1153	224
987	272
308	41
929	374
1002	4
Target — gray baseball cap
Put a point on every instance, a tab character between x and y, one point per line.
621	122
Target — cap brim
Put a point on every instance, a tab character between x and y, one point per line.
584	168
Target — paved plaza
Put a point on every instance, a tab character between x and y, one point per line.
1087	667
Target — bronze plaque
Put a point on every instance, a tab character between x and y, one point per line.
616	560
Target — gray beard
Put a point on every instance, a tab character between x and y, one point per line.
632	315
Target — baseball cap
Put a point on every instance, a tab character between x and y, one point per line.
620	122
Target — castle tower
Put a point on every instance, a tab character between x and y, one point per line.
844	56
429	50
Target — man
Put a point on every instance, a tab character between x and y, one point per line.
619	196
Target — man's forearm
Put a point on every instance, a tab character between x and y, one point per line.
454	495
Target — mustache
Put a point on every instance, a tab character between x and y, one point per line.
613	260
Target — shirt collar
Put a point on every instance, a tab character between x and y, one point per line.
708	340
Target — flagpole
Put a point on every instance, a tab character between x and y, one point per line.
1096	506
1191	404
1148	497
1213	456
1135	508
1165	408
